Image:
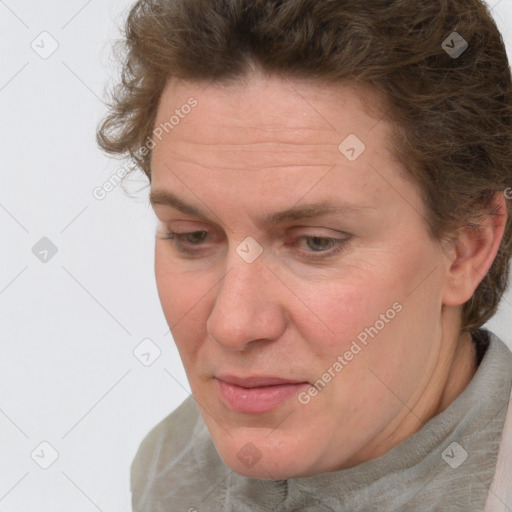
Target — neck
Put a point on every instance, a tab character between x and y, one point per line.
452	370
462	371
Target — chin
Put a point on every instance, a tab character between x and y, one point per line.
264	470
262	457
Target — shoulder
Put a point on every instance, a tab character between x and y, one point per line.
499	498
167	441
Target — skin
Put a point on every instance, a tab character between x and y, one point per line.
264	145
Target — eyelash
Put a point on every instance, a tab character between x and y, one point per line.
337	244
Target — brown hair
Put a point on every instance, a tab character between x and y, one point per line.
452	115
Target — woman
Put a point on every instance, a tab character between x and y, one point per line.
329	181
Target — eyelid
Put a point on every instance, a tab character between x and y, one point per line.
313	230
188	249
184	225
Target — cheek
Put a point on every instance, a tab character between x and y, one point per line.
340	311
371	304
181	304
183	295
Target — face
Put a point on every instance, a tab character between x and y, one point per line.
296	273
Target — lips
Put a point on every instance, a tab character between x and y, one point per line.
256	381
256	394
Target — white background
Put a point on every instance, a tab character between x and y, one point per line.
68	375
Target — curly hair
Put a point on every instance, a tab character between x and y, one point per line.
451	114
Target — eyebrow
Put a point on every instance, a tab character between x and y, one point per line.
298	212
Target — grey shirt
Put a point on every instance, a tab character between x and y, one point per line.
448	465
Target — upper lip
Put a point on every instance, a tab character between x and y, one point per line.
256	380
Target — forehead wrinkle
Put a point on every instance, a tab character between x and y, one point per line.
313	210
252	156
258	145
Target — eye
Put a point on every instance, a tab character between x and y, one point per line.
186	242
314	247
195	238
308	247
320	243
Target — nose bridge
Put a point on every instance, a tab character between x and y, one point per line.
245	307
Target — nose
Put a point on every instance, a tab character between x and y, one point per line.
247	307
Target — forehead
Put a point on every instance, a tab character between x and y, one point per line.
261	106
272	136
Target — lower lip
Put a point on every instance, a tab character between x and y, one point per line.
257	400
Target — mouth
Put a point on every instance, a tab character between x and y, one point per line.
257	394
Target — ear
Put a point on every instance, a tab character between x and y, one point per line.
473	252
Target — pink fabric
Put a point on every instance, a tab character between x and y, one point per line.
499	498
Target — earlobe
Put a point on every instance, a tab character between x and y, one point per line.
474	251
